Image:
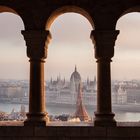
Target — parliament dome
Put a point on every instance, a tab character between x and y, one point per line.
75	76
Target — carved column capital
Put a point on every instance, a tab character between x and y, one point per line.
104	41
37	43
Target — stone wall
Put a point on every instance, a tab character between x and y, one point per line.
70	133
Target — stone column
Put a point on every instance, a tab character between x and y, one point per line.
104	42
36	42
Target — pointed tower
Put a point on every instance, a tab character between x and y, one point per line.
64	81
88	81
75	68
81	112
51	81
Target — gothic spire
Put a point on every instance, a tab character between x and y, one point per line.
75	68
81	112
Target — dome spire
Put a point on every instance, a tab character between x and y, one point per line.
75	76
75	68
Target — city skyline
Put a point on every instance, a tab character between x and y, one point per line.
70	46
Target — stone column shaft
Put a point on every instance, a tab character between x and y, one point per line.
37	86
104	86
104	50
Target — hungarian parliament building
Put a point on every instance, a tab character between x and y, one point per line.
60	91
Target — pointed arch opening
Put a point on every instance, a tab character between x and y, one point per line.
68	9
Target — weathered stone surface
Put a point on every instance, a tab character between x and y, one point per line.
69	133
16	131
119	132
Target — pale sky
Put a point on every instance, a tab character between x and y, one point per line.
70	46
126	62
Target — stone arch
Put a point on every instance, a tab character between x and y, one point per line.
127	11
130	10
7	9
10	10
67	9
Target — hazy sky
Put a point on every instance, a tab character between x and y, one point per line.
70	46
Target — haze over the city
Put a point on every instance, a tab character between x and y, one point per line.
70	46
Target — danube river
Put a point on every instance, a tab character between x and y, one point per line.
120	115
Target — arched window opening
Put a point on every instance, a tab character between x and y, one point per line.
68	9
126	67
70	68
14	71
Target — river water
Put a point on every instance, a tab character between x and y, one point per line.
119	115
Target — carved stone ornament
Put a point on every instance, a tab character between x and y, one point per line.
37	43
104	42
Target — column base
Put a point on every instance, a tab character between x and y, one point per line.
104	119
36	119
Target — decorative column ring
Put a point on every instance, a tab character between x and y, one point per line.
37	43
104	41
